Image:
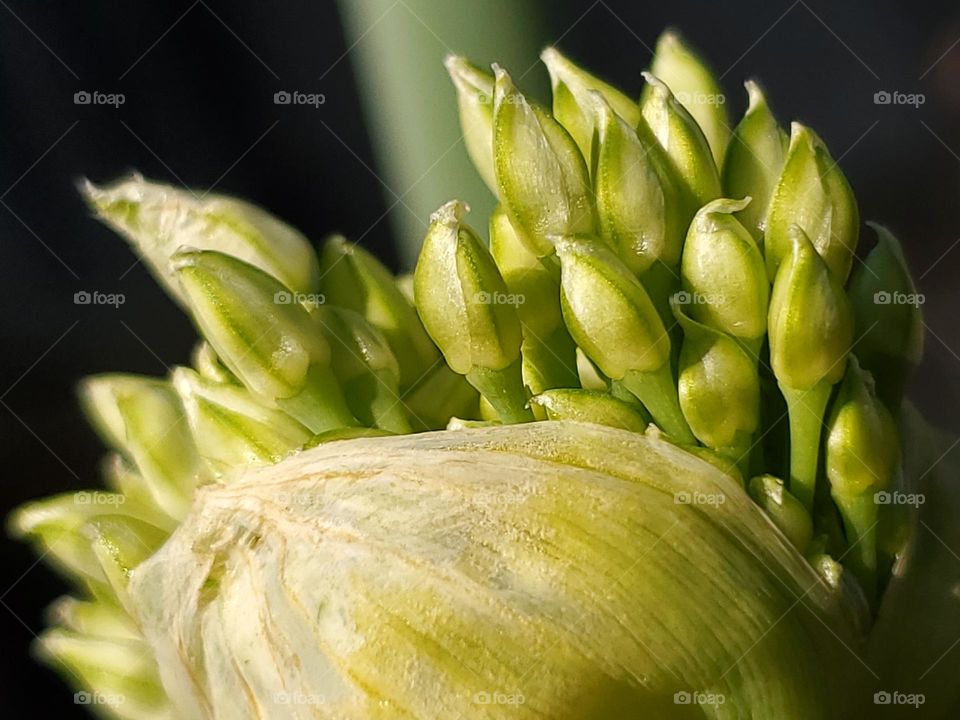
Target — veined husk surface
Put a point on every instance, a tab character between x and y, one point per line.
548	570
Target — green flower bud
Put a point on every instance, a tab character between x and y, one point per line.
143	418
754	160
366	368
264	336
786	512
813	193
572	105
810	320
464	305
475	103
354	279
92	617
117	676
862	456
718	387
886	310
159	219
612	319
810	332
696	87
205	361
67	529
641	202
589	406
723	273
682	140
541	176
231	427
608	312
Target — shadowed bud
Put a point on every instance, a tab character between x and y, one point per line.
159	219
475	102
354	279
724	279
264	336
786	512
366	368
696	87
572	104
810	321
231	427
862	456
143	419
718	387
754	160
682	139
541	176
590	406
642	204
536	280
889	322
813	193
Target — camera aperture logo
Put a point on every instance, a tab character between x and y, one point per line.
298	698
96	497
700	98
684	297
895	97
897	497
86	297
95	97
296	97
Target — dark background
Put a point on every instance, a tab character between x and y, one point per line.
198	80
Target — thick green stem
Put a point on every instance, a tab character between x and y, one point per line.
657	391
860	522
504	390
320	406
806	409
387	409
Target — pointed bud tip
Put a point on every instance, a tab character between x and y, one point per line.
450	214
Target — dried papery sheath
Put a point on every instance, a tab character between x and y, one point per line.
159	219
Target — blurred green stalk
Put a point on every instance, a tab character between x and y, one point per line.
397	49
